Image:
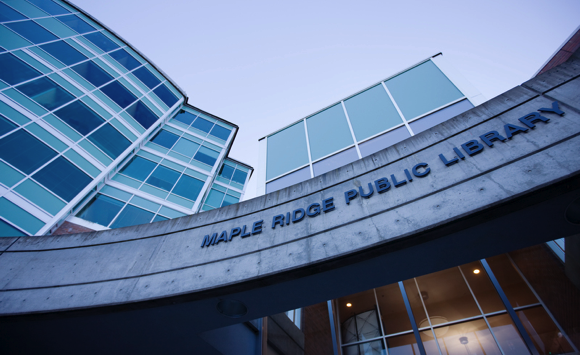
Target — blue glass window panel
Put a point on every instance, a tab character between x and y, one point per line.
163	178
188	187
328	132
101	41
63	178
46	92
142	114
203	125
165	95
422	89
147	77
371	112
50	7
14	71
206	155
138	168
132	216
76	23
93	73
165	139
125	59
286	150
240	176
6	125
119	94
229	200
186	147
63	52
185	117
79	117
9	14
110	141
7	230
159	218
226	172
32	31
215	198
24	151
102	209
220	132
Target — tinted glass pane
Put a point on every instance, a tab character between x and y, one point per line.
79	117
32	31
163	178
24	151
142	114
544	333
229	200
14	71
403	345
286	150
76	23
50	7
147	77
393	312
110	141
185	117
206	155
64	52
422	89
101	41
7	230
482	287
471	337
186	147
358	317
202	124
159	218
515	288
119	94
46	92
507	335
131	216
165	95
62	178
220	132
240	177
215	198
165	139
93	73
188	187
226	171
6	125
125	59
102	209
138	168
9	14
328	132
372	348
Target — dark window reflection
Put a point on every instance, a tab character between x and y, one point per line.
482	287
515	288
544	333
393	312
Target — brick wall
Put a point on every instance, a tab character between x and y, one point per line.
316	328
70	228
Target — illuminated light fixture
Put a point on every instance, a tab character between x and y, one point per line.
476	271
349	304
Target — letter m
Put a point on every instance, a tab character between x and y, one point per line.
207	241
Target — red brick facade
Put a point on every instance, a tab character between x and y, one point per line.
70	228
316	328
563	54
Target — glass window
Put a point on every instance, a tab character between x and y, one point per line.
147	77
119	94
186	147
62	178
371	112
229	200
166	95
206	155
215	198
403	345
142	114
110	141
132	216
101	41
138	168
24	151
9	14
159	218
393	312
226	172
50	6
507	335
46	92
358	317
240	176
32	31
544	333
220	132
163	178
64	52
482	288
185	117
76	23
93	73
79	117
165	139
422	89
6	125
328	132
125	59
203	125
415	301
371	348
7	230
102	209
14	70
471	337
514	287
286	151
188	187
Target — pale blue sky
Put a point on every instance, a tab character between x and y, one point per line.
265	64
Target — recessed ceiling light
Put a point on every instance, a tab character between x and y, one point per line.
349	304
476	271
